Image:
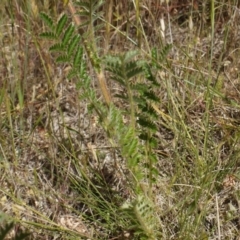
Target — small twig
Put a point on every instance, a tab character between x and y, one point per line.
218	219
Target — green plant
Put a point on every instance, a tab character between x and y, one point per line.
136	141
136	78
143	218
7	228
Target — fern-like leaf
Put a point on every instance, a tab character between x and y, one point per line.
159	56
62	59
73	44
48	20
154	160
132	69
150	95
68	34
149	110
164	51
90	9
131	147
61	24
48	35
149	76
78	57
58	47
143	219
146	123
6	230
72	73
130	55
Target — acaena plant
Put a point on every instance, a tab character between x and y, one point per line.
136	77
136	140
138	82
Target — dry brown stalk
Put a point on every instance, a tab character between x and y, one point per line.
100	74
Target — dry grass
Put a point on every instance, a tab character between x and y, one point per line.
60	178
